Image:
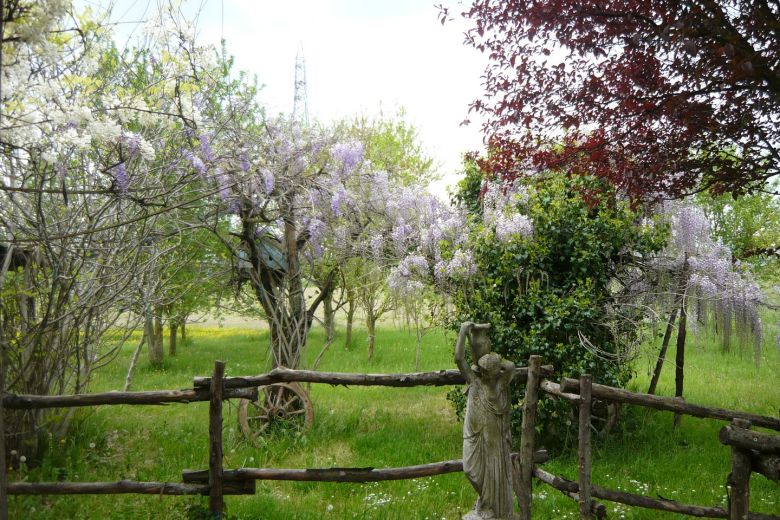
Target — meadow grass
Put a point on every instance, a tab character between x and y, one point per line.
381	427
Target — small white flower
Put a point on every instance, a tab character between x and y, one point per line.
92	445
329	508
22	459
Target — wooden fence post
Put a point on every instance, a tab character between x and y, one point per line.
526	459
584	448
216	502
739	480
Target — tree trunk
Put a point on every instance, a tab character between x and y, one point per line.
678	305
328	314
726	326
659	364
173	327
371	325
133	363
418	354
350	319
158	331
155	353
680	358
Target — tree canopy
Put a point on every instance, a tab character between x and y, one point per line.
663	97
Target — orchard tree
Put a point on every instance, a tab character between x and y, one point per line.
391	145
660	97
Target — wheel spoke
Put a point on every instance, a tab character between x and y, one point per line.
296	412
291	400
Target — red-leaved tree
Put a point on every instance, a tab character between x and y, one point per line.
663	97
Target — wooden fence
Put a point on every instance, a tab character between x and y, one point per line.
751	451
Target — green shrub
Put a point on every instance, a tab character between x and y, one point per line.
542	292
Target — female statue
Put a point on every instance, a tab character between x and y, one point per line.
486	430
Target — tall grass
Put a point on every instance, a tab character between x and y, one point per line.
379	427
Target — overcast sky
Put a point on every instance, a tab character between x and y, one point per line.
362	57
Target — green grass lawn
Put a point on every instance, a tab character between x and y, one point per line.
380	427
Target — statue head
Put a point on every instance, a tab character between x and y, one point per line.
490	364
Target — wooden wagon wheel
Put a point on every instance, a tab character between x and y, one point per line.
280	404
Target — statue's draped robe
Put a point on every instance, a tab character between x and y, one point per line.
486	444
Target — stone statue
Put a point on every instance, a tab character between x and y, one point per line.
486	430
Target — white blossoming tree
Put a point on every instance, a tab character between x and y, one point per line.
89	151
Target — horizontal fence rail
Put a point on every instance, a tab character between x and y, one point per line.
344	474
631	499
285	375
126	487
672	404
29	402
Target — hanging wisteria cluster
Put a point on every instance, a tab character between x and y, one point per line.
720	288
501	204
426	228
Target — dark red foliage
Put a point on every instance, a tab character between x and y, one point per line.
662	97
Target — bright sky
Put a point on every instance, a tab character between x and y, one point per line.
362	57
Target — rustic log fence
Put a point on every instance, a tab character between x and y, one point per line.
751	451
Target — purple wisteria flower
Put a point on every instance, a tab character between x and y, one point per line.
377	244
338	199
349	154
121	178
234	206
132	142
502	213
244	161
399	234
691	230
508	227
268	181
223	183
405	279
196	163
462	265
316	235
205	147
